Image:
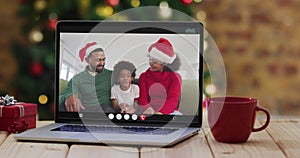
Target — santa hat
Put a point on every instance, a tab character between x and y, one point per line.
87	49
163	51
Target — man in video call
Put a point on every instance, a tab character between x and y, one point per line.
89	90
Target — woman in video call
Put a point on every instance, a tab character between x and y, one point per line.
160	85
124	94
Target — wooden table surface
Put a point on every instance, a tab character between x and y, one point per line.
280	139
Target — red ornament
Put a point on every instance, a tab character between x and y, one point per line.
36	69
112	3
52	24
186	2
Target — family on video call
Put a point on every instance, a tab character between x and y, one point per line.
156	91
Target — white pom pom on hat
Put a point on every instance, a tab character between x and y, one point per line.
163	51
87	49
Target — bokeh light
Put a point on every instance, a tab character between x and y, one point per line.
135	3
43	99
36	36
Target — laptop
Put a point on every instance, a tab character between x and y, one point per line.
102	123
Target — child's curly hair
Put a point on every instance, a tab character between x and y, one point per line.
121	65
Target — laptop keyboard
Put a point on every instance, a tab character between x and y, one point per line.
116	129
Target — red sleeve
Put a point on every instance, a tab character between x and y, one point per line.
173	91
143	100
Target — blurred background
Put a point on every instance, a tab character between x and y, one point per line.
258	41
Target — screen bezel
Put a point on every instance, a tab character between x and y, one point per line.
122	27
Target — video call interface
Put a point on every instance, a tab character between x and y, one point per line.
129	76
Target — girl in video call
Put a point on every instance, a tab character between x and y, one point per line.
125	94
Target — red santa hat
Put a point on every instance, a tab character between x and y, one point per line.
163	51
87	49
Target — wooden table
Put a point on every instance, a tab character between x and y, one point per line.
281	139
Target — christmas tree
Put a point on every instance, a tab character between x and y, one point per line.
36	54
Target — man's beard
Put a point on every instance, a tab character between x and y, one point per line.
98	68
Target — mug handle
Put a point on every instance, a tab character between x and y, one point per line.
258	108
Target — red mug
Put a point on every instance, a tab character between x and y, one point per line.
231	119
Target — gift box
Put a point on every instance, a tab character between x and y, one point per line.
18	117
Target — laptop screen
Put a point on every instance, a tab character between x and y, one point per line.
129	72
